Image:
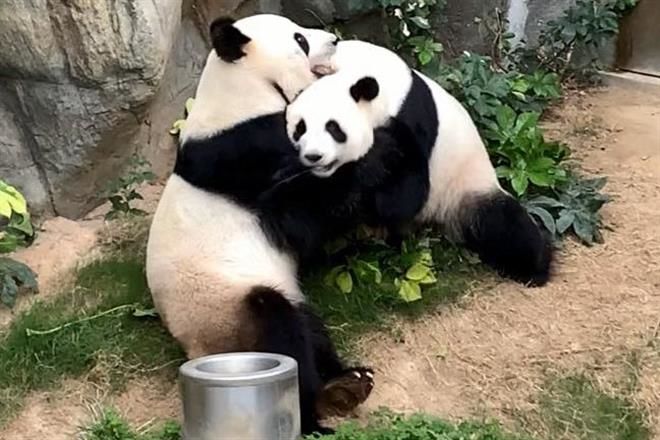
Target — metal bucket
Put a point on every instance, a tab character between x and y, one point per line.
240	396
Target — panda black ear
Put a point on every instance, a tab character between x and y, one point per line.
365	89
227	40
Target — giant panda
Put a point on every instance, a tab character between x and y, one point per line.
217	280
464	197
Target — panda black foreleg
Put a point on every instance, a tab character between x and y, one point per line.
499	229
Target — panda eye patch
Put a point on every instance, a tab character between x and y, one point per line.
335	131
302	42
301	128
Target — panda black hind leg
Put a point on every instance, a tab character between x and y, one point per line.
294	330
500	230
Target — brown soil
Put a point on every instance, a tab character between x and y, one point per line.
489	354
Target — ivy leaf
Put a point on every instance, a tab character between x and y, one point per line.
345	282
410	291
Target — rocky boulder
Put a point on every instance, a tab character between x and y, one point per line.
81	83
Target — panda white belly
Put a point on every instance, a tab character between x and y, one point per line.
204	254
459	163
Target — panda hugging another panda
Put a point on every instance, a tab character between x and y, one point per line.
444	175
376	142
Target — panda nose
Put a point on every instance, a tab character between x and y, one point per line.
336	40
312	157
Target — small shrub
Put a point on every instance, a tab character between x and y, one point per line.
15	276
15	230
122	191
15	223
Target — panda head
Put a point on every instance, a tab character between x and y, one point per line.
274	48
330	123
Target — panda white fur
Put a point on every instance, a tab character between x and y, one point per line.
464	197
216	279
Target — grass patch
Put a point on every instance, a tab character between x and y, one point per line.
127	344
111	426
573	407
371	306
382	426
389	426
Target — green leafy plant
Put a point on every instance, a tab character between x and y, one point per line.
15	223
582	29
374	263
522	155
576	209
15	276
122	191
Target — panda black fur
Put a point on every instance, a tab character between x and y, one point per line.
464	197
304	211
216	278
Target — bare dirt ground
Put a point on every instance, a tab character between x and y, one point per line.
489	354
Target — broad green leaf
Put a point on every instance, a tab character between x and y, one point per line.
545	217
545	202
584	230
421	22
331	276
425	57
505	117
141	313
426	258
410	291
8	242
540	178
8	290
417	272
519	183
177	126
10	195
21	223
564	221
5	207
345	282
429	279
15	275
189	105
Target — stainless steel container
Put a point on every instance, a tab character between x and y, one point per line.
240	396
